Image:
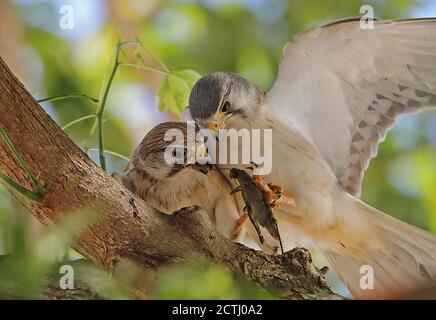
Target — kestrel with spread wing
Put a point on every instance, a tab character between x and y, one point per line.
339	90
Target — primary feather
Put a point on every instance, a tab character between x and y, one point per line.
342	87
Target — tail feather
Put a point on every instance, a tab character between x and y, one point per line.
402	257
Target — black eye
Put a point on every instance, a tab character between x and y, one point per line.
180	154
225	107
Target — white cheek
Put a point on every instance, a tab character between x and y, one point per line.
244	101
247	99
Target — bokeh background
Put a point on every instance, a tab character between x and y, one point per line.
243	36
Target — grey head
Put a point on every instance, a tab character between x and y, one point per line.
220	96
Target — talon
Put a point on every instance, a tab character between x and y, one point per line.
271	193
270	197
275	188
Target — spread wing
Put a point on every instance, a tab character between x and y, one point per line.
342	87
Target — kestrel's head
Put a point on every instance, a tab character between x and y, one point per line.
161	145
220	98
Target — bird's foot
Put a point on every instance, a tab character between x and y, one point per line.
275	188
280	197
273	194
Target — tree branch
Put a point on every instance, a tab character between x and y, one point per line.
143	235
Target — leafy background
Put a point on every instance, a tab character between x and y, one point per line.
243	36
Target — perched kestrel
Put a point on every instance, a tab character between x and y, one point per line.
339	90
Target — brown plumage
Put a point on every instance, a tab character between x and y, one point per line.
171	187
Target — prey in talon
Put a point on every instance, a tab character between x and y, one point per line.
256	207
272	194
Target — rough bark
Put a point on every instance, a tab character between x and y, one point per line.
145	236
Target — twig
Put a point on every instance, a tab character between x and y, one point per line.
100	112
104	93
110	152
78	120
39	190
30	194
68	96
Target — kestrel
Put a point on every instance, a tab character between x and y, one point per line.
339	90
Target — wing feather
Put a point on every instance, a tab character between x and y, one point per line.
343	87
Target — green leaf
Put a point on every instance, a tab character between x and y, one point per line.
190	76
173	93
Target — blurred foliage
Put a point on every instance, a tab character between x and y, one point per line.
29	261
199	279
243	36
173	93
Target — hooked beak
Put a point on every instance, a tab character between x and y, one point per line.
213	126
203	168
216	124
